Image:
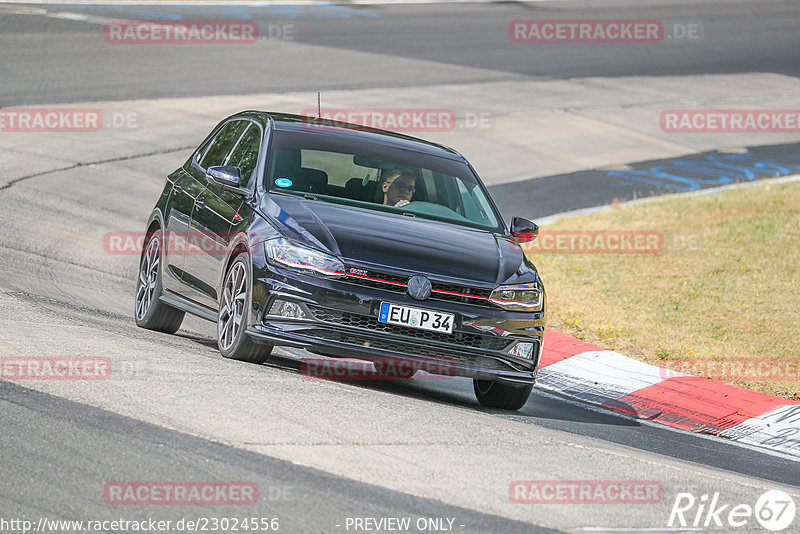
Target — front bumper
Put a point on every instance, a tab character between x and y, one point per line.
341	320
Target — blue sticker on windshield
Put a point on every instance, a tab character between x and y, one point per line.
283	182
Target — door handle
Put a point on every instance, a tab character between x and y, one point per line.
200	202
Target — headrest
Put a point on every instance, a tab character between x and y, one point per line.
315	177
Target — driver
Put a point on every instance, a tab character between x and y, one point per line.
398	187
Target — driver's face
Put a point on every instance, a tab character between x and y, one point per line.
402	188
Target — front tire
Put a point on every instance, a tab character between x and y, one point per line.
234	310
149	311
493	394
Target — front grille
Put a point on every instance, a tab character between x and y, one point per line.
469	295
474	341
460	358
441	290
376	284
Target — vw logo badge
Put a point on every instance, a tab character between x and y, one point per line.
419	287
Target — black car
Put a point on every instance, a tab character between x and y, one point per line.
348	242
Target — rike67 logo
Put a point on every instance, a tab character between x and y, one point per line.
774	510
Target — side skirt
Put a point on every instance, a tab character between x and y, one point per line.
189	307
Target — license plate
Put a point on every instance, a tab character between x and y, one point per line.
416	318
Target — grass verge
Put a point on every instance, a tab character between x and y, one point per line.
719	299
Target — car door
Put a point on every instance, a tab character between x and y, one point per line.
216	210
185	189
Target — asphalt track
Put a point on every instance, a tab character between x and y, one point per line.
72	65
643	179
320	452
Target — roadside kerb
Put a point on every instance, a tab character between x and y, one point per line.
590	373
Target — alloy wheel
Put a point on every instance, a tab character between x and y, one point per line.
234	296
148	277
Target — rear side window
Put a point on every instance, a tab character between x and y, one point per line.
245	155
222	144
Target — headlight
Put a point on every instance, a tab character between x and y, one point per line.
521	297
284	253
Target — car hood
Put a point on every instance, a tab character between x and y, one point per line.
374	238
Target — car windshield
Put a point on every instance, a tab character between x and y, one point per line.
379	177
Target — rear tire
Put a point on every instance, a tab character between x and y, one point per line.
493	394
149	311
232	318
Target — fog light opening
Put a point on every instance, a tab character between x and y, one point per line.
287	309
522	350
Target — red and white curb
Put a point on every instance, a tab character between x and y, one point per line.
592	374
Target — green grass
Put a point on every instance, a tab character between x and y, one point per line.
725	287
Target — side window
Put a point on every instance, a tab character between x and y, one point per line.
223	144
245	155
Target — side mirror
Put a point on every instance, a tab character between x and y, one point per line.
523	230
229	178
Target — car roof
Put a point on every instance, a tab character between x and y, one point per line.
301	123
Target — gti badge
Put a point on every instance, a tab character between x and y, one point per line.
419	287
